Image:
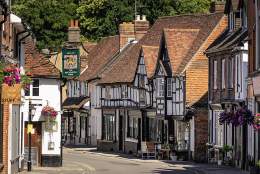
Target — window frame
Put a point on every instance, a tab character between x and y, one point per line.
160	87
215	74
223	73
169	87
108	127
132	127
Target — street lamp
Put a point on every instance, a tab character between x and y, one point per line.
29	130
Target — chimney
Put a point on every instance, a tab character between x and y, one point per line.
141	26
126	33
74	31
217	6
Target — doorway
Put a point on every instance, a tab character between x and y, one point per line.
120	133
36	143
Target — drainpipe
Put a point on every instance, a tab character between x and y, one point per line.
1	27
257	34
19	45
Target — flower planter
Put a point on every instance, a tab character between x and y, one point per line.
11	94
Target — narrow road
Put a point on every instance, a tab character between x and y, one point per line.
86	161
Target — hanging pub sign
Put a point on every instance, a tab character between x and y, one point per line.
11	94
70	63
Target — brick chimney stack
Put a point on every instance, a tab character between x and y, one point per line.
217	6
126	33
74	31
141	26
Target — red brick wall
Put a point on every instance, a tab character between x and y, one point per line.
197	70
5	138
201	134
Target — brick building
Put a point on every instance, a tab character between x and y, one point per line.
12	34
228	67
253	93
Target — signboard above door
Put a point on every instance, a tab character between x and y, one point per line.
70	63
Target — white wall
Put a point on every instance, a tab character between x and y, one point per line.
49	92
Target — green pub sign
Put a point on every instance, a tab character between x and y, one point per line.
70	63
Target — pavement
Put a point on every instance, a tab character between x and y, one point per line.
90	161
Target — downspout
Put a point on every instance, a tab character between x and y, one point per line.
1	28
257	34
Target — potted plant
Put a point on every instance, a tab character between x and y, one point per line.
173	153
225	150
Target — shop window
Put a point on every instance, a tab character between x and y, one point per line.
152	129
108	127
132	127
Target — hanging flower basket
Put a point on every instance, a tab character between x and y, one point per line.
241	117
257	121
49	113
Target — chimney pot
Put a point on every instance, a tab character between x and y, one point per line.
76	23
144	17
138	17
71	23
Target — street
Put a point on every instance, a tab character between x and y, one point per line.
82	161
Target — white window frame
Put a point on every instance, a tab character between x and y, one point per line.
223	74
124	92
160	87
169	87
215	74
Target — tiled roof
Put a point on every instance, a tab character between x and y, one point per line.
88	46
74	102
228	41
99	56
150	58
37	63
189	27
181	46
124	67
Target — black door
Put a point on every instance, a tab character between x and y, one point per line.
139	134
120	133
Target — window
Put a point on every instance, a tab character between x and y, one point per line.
35	87
160	87
230	72
152	129
107	93
124	91
231	19
215	74
142	96
141	81
133	127
108	127
169	87
223	73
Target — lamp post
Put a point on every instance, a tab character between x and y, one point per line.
29	162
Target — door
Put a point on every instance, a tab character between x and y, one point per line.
139	134
36	143
120	133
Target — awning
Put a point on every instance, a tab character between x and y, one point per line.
75	102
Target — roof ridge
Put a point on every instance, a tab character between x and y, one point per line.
191	14
182	29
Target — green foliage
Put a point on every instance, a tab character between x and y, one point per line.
101	18
48	19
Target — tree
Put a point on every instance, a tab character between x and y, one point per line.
99	18
48	19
